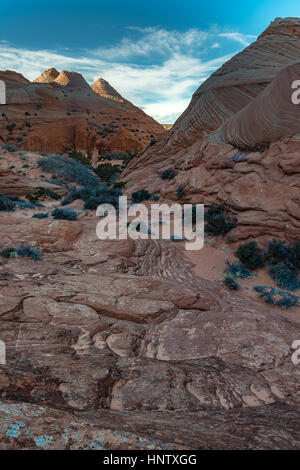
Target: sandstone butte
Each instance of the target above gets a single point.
(60, 112)
(137, 344)
(238, 141)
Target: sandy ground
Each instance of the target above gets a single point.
(209, 263)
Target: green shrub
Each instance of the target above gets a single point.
(23, 251)
(231, 283)
(127, 157)
(237, 271)
(10, 127)
(41, 192)
(285, 277)
(66, 213)
(250, 255)
(78, 156)
(180, 192)
(274, 296)
(168, 174)
(40, 215)
(107, 172)
(140, 196)
(6, 203)
(216, 221)
(66, 170)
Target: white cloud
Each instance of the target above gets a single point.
(244, 39)
(180, 62)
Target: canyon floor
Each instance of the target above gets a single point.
(135, 344)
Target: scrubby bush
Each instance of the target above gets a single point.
(29, 251)
(140, 196)
(237, 271)
(274, 296)
(66, 213)
(93, 197)
(78, 156)
(216, 221)
(277, 252)
(168, 174)
(41, 215)
(23, 251)
(107, 172)
(9, 253)
(284, 263)
(180, 192)
(231, 283)
(285, 276)
(6, 203)
(67, 170)
(127, 157)
(40, 192)
(250, 255)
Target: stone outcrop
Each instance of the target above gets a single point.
(103, 88)
(60, 112)
(238, 141)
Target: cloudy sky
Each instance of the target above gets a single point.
(155, 53)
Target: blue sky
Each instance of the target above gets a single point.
(155, 53)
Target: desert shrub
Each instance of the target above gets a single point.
(107, 172)
(29, 251)
(155, 197)
(9, 253)
(277, 252)
(6, 203)
(128, 156)
(284, 262)
(93, 197)
(10, 127)
(78, 156)
(40, 192)
(168, 174)
(10, 147)
(274, 296)
(216, 221)
(180, 192)
(140, 196)
(250, 255)
(67, 170)
(66, 213)
(23, 251)
(119, 185)
(41, 215)
(285, 276)
(237, 271)
(231, 283)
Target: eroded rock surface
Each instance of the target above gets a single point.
(238, 141)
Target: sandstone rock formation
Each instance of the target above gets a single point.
(135, 357)
(238, 141)
(60, 112)
(103, 88)
(48, 76)
(122, 344)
